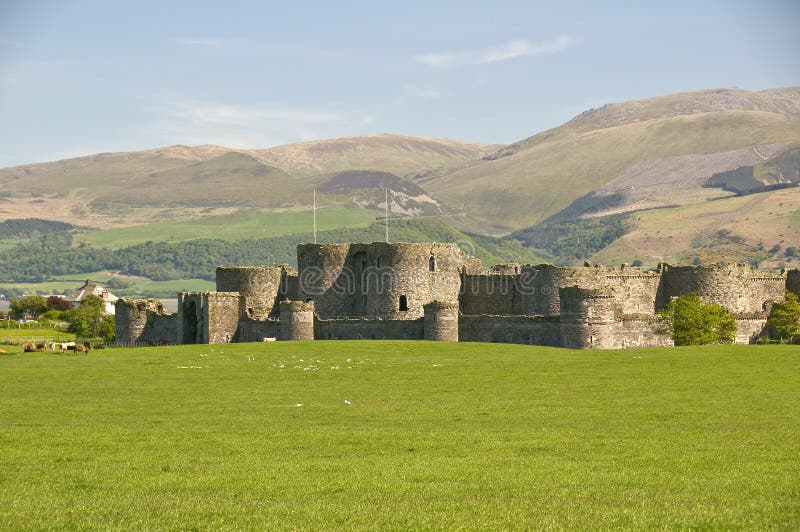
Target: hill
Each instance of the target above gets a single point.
(670, 145)
(128, 188)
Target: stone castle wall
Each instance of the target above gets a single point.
(257, 330)
(530, 330)
(138, 321)
(436, 292)
(368, 329)
(379, 280)
(737, 287)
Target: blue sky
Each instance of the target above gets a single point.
(84, 77)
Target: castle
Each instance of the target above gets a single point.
(435, 291)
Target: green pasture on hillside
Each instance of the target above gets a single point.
(137, 286)
(232, 227)
(401, 435)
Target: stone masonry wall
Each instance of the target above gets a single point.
(257, 330)
(262, 287)
(530, 330)
(221, 312)
(368, 329)
(379, 280)
(737, 287)
(139, 321)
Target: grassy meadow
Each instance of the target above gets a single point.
(232, 227)
(401, 435)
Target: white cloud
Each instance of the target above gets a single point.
(509, 50)
(254, 126)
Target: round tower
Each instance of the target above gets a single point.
(297, 320)
(323, 277)
(440, 322)
(587, 318)
(261, 287)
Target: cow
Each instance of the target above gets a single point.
(30, 347)
(82, 348)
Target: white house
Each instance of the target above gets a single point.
(89, 287)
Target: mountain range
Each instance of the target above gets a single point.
(696, 176)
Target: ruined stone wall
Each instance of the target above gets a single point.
(490, 294)
(208, 317)
(262, 287)
(379, 280)
(138, 321)
(749, 328)
(528, 330)
(737, 287)
(368, 329)
(793, 281)
(257, 330)
(221, 312)
(534, 291)
(292, 290)
(637, 331)
(634, 290)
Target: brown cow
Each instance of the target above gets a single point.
(30, 347)
(82, 348)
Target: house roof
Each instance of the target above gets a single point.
(91, 288)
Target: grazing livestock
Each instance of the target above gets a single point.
(82, 349)
(3, 352)
(61, 346)
(30, 347)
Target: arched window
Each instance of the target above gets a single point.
(403, 303)
(432, 264)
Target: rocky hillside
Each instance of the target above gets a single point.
(624, 157)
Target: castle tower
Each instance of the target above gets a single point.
(297, 320)
(440, 322)
(208, 317)
(262, 287)
(587, 318)
(380, 280)
(132, 320)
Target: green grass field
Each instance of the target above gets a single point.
(13, 332)
(232, 227)
(439, 436)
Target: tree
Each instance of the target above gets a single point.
(90, 320)
(691, 321)
(33, 306)
(58, 303)
(784, 320)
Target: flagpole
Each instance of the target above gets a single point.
(315, 215)
(386, 214)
